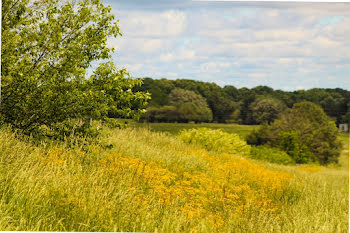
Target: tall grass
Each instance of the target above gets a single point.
(149, 181)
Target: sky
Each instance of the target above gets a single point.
(284, 45)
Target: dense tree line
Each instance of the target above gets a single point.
(257, 105)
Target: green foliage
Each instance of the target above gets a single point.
(113, 123)
(162, 114)
(47, 47)
(265, 110)
(184, 106)
(218, 101)
(114, 93)
(243, 105)
(346, 117)
(333, 101)
(262, 135)
(235, 117)
(71, 132)
(216, 140)
(270, 154)
(160, 90)
(289, 142)
(305, 132)
(190, 106)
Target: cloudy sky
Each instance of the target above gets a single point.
(286, 46)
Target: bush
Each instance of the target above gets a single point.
(70, 132)
(300, 153)
(113, 123)
(262, 135)
(216, 140)
(304, 132)
(270, 154)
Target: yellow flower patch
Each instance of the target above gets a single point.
(231, 187)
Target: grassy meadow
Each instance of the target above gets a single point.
(151, 181)
(175, 128)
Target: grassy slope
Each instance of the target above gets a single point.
(122, 189)
(325, 200)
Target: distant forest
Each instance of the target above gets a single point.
(186, 100)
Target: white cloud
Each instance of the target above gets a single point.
(139, 45)
(285, 43)
(181, 55)
(166, 57)
(209, 67)
(134, 68)
(152, 24)
(257, 75)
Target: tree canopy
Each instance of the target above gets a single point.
(305, 132)
(231, 104)
(266, 110)
(184, 106)
(48, 47)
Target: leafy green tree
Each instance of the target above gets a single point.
(332, 105)
(333, 101)
(232, 92)
(219, 102)
(190, 106)
(266, 110)
(230, 104)
(262, 90)
(346, 117)
(47, 47)
(246, 113)
(159, 90)
(305, 132)
(165, 113)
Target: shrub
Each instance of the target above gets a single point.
(72, 132)
(304, 132)
(114, 123)
(300, 153)
(261, 136)
(270, 154)
(216, 140)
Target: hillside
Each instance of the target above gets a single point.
(150, 181)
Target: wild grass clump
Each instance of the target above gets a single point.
(216, 140)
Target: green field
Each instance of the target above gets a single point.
(147, 181)
(175, 128)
